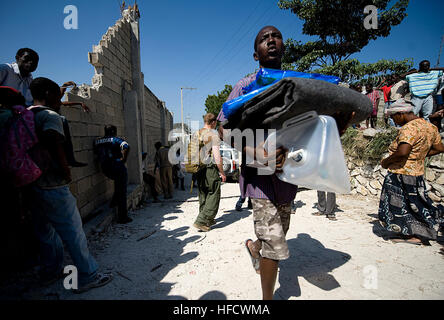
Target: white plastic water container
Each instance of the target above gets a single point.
(315, 158)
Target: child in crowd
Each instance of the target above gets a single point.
(386, 85)
(373, 95)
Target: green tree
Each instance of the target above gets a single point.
(351, 70)
(214, 102)
(339, 28)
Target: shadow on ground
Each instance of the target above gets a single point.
(311, 260)
(379, 230)
(336, 209)
(213, 295)
(139, 255)
(298, 204)
(229, 217)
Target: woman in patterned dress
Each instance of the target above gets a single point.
(405, 208)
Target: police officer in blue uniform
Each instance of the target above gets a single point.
(112, 153)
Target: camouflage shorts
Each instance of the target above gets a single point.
(271, 223)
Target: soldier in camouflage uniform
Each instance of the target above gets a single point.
(209, 177)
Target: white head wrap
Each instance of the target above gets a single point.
(399, 106)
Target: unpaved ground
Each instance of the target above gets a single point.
(161, 256)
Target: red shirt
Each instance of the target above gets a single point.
(386, 90)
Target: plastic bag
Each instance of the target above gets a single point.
(265, 78)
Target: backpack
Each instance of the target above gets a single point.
(17, 138)
(193, 158)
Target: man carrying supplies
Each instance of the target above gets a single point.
(270, 196)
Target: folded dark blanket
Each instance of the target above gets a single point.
(292, 96)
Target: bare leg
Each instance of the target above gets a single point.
(269, 269)
(409, 239)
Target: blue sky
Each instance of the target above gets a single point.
(201, 44)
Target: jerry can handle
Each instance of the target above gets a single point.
(300, 119)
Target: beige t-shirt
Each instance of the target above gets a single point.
(421, 135)
(209, 138)
(399, 90)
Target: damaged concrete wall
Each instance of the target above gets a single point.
(117, 96)
(158, 121)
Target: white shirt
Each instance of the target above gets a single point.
(10, 76)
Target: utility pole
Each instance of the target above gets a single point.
(188, 122)
(181, 110)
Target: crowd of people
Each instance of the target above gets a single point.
(411, 104)
(35, 170)
(44, 189)
(423, 87)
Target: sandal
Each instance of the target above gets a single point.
(254, 261)
(317, 213)
(331, 217)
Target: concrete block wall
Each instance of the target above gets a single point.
(113, 78)
(158, 123)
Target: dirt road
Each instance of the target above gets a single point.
(161, 256)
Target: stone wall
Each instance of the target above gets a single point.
(367, 179)
(117, 96)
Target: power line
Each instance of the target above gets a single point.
(235, 45)
(212, 72)
(232, 54)
(246, 43)
(268, 21)
(230, 40)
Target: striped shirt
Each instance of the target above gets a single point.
(374, 96)
(421, 84)
(251, 184)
